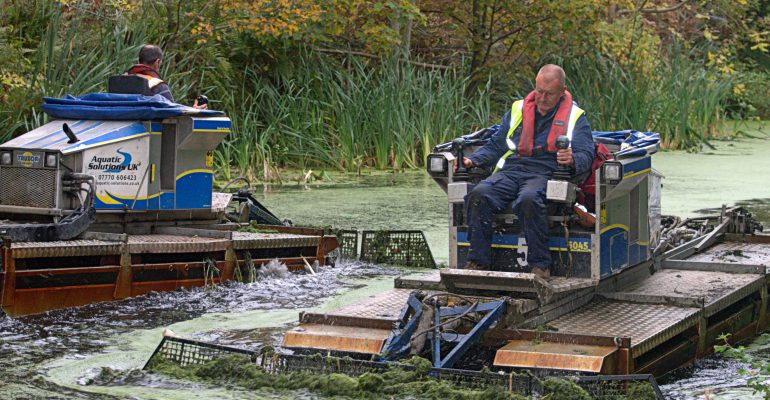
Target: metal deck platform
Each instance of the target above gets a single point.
(379, 311)
(689, 288)
(735, 252)
(647, 325)
(362, 327)
(634, 322)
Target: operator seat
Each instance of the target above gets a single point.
(128, 84)
(554, 210)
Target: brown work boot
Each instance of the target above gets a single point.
(473, 265)
(541, 272)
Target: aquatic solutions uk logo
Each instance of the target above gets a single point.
(119, 163)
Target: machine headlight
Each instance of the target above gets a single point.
(612, 172)
(6, 158)
(437, 164)
(50, 160)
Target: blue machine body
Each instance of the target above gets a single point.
(145, 154)
(627, 216)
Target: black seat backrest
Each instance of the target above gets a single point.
(129, 84)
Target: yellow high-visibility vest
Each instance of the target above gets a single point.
(517, 115)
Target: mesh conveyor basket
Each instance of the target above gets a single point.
(408, 248)
(185, 352)
(348, 240)
(513, 382)
(276, 363)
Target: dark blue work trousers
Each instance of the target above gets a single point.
(492, 196)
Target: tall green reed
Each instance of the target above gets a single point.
(347, 115)
(678, 98)
(72, 59)
(323, 112)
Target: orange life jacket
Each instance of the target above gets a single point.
(558, 127)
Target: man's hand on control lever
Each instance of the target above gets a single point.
(564, 157)
(466, 162)
(201, 103)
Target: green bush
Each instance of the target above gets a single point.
(750, 97)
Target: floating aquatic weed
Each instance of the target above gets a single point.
(250, 267)
(395, 382)
(564, 389)
(210, 271)
(640, 391)
(237, 273)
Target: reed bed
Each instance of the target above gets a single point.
(678, 98)
(346, 115)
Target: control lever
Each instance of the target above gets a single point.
(559, 188)
(562, 172)
(461, 174)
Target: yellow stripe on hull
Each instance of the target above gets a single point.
(194, 171)
(510, 246)
(633, 174)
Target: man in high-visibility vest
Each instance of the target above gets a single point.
(524, 154)
(150, 57)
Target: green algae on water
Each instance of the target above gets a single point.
(568, 389)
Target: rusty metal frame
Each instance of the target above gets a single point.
(119, 253)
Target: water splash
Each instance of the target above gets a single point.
(273, 269)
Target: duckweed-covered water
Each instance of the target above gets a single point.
(62, 354)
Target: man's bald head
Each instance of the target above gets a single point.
(149, 54)
(550, 72)
(549, 87)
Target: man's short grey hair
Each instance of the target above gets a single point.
(551, 70)
(149, 53)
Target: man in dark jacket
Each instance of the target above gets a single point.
(525, 155)
(150, 57)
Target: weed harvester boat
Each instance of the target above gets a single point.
(113, 198)
(625, 297)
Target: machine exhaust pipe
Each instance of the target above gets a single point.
(71, 135)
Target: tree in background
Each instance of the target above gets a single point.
(508, 37)
(377, 26)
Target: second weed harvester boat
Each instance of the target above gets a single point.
(113, 198)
